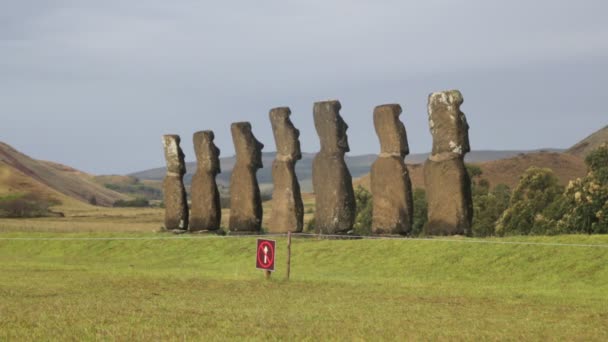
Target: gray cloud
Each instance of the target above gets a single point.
(94, 84)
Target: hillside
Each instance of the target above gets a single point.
(14, 182)
(131, 186)
(593, 141)
(358, 166)
(22, 174)
(507, 171)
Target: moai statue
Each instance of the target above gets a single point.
(287, 206)
(335, 205)
(448, 186)
(176, 202)
(390, 180)
(206, 212)
(245, 200)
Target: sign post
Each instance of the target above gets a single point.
(265, 256)
(288, 254)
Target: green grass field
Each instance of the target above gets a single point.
(208, 288)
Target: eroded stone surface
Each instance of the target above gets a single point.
(206, 212)
(335, 206)
(448, 194)
(176, 203)
(390, 182)
(390, 130)
(448, 186)
(245, 201)
(287, 206)
(448, 124)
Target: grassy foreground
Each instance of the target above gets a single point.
(208, 288)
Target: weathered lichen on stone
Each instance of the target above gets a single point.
(390, 182)
(245, 201)
(287, 206)
(447, 182)
(176, 204)
(448, 124)
(206, 213)
(335, 206)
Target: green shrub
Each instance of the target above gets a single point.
(139, 202)
(26, 205)
(310, 226)
(420, 212)
(93, 200)
(584, 205)
(537, 190)
(473, 170)
(597, 163)
(363, 218)
(488, 206)
(137, 189)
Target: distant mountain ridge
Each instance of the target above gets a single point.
(358, 165)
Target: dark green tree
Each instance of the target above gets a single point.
(420, 212)
(597, 163)
(538, 188)
(488, 208)
(584, 205)
(363, 218)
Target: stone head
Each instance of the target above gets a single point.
(248, 148)
(207, 154)
(390, 130)
(286, 136)
(174, 154)
(448, 124)
(330, 127)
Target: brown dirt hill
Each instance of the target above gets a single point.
(507, 171)
(24, 174)
(12, 181)
(582, 148)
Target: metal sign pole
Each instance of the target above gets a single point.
(288, 254)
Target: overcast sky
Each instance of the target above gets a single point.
(94, 84)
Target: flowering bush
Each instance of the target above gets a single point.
(586, 199)
(531, 205)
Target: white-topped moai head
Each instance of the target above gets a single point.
(173, 154)
(447, 123)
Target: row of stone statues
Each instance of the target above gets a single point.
(447, 183)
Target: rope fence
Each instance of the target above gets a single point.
(309, 236)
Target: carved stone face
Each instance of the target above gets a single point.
(465, 135)
(330, 127)
(174, 154)
(286, 136)
(390, 130)
(248, 148)
(207, 153)
(448, 123)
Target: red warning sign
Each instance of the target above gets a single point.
(265, 255)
